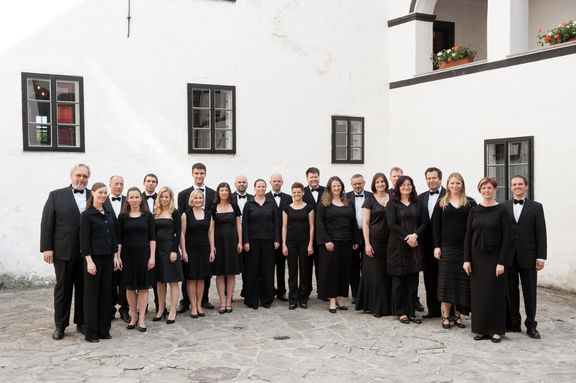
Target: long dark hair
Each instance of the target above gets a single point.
(125, 212)
(96, 186)
(217, 197)
(396, 191)
(327, 195)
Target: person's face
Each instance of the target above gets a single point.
(198, 200)
(100, 195)
(150, 184)
(455, 185)
(241, 184)
(79, 178)
(433, 181)
(406, 188)
(134, 199)
(164, 199)
(276, 183)
(394, 175)
(358, 185)
(313, 180)
(380, 185)
(335, 188)
(223, 193)
(487, 191)
(297, 194)
(519, 188)
(116, 186)
(198, 175)
(260, 188)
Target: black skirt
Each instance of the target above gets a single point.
(135, 273)
(334, 270)
(375, 288)
(453, 282)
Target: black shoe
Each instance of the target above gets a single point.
(181, 309)
(481, 337)
(58, 333)
(208, 305)
(533, 333)
(105, 336)
(81, 329)
(125, 315)
(430, 315)
(141, 329)
(131, 326)
(419, 307)
(92, 340)
(415, 320)
(170, 321)
(291, 307)
(158, 319)
(332, 311)
(282, 298)
(201, 314)
(458, 324)
(446, 326)
(496, 340)
(404, 320)
(222, 310)
(195, 316)
(342, 307)
(266, 305)
(377, 315)
(353, 300)
(514, 329)
(228, 309)
(304, 306)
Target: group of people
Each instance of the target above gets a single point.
(111, 249)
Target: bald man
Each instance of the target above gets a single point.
(240, 196)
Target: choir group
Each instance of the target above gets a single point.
(111, 249)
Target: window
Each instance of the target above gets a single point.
(508, 157)
(211, 119)
(52, 112)
(347, 140)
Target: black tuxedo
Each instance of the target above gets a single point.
(429, 263)
(108, 204)
(60, 232)
(528, 245)
(357, 254)
(279, 258)
(309, 199)
(249, 197)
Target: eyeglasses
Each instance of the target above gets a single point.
(405, 186)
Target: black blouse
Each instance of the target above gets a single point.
(138, 231)
(97, 232)
(449, 223)
(336, 223)
(488, 230)
(404, 220)
(260, 221)
(298, 228)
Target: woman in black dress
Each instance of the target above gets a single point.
(197, 244)
(228, 243)
(297, 245)
(486, 249)
(137, 245)
(337, 235)
(450, 218)
(100, 250)
(168, 263)
(375, 288)
(406, 223)
(261, 235)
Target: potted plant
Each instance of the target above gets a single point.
(456, 55)
(561, 34)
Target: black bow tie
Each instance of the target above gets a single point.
(78, 191)
(312, 190)
(116, 199)
(520, 201)
(277, 195)
(242, 196)
(434, 192)
(359, 195)
(150, 196)
(201, 189)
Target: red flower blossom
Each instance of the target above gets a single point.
(557, 35)
(563, 24)
(449, 59)
(539, 30)
(547, 38)
(454, 48)
(461, 45)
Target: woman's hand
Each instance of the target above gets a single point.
(369, 250)
(117, 262)
(310, 249)
(355, 246)
(276, 245)
(212, 255)
(437, 253)
(173, 256)
(185, 256)
(412, 240)
(246, 247)
(151, 263)
(499, 270)
(285, 250)
(91, 268)
(329, 246)
(467, 268)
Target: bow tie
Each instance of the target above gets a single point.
(434, 192)
(242, 196)
(277, 195)
(314, 190)
(78, 191)
(116, 199)
(359, 195)
(519, 201)
(150, 196)
(201, 189)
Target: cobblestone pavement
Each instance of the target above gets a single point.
(278, 345)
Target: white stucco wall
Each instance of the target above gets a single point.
(447, 121)
(294, 64)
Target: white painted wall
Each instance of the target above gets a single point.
(548, 14)
(294, 63)
(447, 122)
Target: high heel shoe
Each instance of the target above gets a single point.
(201, 314)
(228, 309)
(163, 316)
(141, 329)
(131, 326)
(192, 315)
(458, 324)
(170, 321)
(446, 325)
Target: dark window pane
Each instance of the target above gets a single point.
(356, 127)
(223, 139)
(201, 118)
(499, 173)
(518, 152)
(39, 135)
(341, 139)
(67, 136)
(201, 138)
(356, 154)
(500, 194)
(496, 154)
(201, 98)
(67, 113)
(223, 119)
(39, 112)
(341, 153)
(38, 89)
(66, 91)
(222, 99)
(356, 141)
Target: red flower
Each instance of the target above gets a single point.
(454, 48)
(432, 54)
(563, 24)
(547, 38)
(449, 59)
(557, 35)
(539, 30)
(461, 44)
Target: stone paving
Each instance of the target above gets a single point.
(278, 345)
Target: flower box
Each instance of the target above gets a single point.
(443, 64)
(563, 33)
(457, 55)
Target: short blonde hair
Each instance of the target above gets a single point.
(194, 194)
(158, 207)
(487, 180)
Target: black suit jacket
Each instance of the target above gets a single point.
(528, 234)
(108, 205)
(285, 200)
(249, 197)
(309, 198)
(428, 234)
(60, 226)
(184, 195)
(352, 198)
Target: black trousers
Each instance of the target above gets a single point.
(528, 277)
(280, 263)
(118, 294)
(315, 261)
(299, 264)
(243, 270)
(430, 268)
(259, 273)
(97, 292)
(355, 267)
(69, 279)
(404, 289)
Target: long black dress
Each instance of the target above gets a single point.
(197, 246)
(487, 245)
(167, 241)
(449, 225)
(135, 234)
(375, 288)
(227, 261)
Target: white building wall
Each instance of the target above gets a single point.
(294, 65)
(444, 123)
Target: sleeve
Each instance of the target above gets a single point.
(471, 201)
(151, 228)
(277, 218)
(322, 236)
(236, 208)
(119, 229)
(368, 203)
(437, 218)
(392, 218)
(85, 229)
(246, 223)
(423, 219)
(114, 231)
(541, 239)
(468, 238)
(506, 250)
(182, 201)
(176, 219)
(47, 225)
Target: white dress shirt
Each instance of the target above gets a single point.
(80, 200)
(432, 199)
(315, 195)
(358, 202)
(518, 209)
(150, 202)
(116, 205)
(277, 198)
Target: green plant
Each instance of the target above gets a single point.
(455, 53)
(562, 33)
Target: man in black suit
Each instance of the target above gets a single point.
(114, 203)
(60, 245)
(199, 174)
(528, 253)
(428, 201)
(313, 197)
(240, 196)
(357, 197)
(282, 200)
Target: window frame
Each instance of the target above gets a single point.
(349, 148)
(54, 114)
(212, 88)
(506, 142)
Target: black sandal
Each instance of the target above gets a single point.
(404, 320)
(447, 325)
(458, 324)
